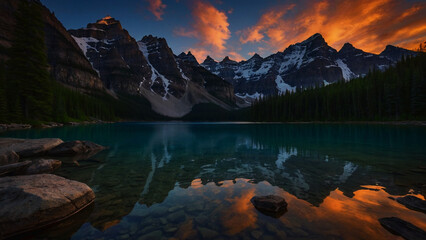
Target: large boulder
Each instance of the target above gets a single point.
(413, 203)
(43, 166)
(16, 168)
(271, 205)
(8, 157)
(402, 228)
(29, 147)
(75, 148)
(33, 201)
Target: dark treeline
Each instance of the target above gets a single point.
(398, 93)
(27, 91)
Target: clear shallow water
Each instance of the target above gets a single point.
(195, 180)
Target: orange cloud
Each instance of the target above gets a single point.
(235, 56)
(157, 7)
(210, 26)
(369, 25)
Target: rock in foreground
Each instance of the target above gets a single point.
(413, 203)
(33, 201)
(29, 147)
(18, 167)
(402, 228)
(271, 205)
(75, 148)
(8, 157)
(43, 166)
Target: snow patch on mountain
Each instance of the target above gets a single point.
(347, 73)
(181, 72)
(248, 72)
(155, 74)
(326, 83)
(84, 45)
(295, 58)
(282, 86)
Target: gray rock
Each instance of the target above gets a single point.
(207, 233)
(170, 229)
(177, 217)
(29, 147)
(175, 208)
(43, 166)
(75, 148)
(413, 203)
(8, 157)
(402, 228)
(270, 205)
(152, 235)
(256, 234)
(33, 201)
(159, 211)
(14, 168)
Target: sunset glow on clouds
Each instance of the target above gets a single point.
(210, 27)
(156, 7)
(240, 28)
(369, 25)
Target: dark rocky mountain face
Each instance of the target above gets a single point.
(359, 62)
(394, 54)
(113, 54)
(172, 84)
(306, 64)
(188, 57)
(67, 64)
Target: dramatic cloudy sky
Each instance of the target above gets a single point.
(239, 28)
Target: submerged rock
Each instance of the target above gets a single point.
(29, 147)
(33, 201)
(75, 148)
(270, 205)
(413, 203)
(43, 166)
(402, 228)
(14, 168)
(8, 157)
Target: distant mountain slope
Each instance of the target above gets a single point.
(67, 64)
(306, 64)
(173, 85)
(396, 94)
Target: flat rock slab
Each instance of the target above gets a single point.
(18, 167)
(8, 157)
(271, 205)
(402, 228)
(43, 166)
(413, 203)
(33, 201)
(29, 147)
(73, 148)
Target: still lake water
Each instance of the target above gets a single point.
(195, 180)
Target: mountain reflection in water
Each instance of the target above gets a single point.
(196, 180)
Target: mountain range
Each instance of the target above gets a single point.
(104, 57)
(306, 64)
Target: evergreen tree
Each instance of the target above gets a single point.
(28, 78)
(398, 93)
(3, 103)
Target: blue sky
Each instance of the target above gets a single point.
(239, 28)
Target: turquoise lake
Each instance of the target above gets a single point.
(177, 180)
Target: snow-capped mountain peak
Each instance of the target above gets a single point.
(309, 63)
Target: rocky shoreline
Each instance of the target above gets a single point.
(30, 196)
(21, 126)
